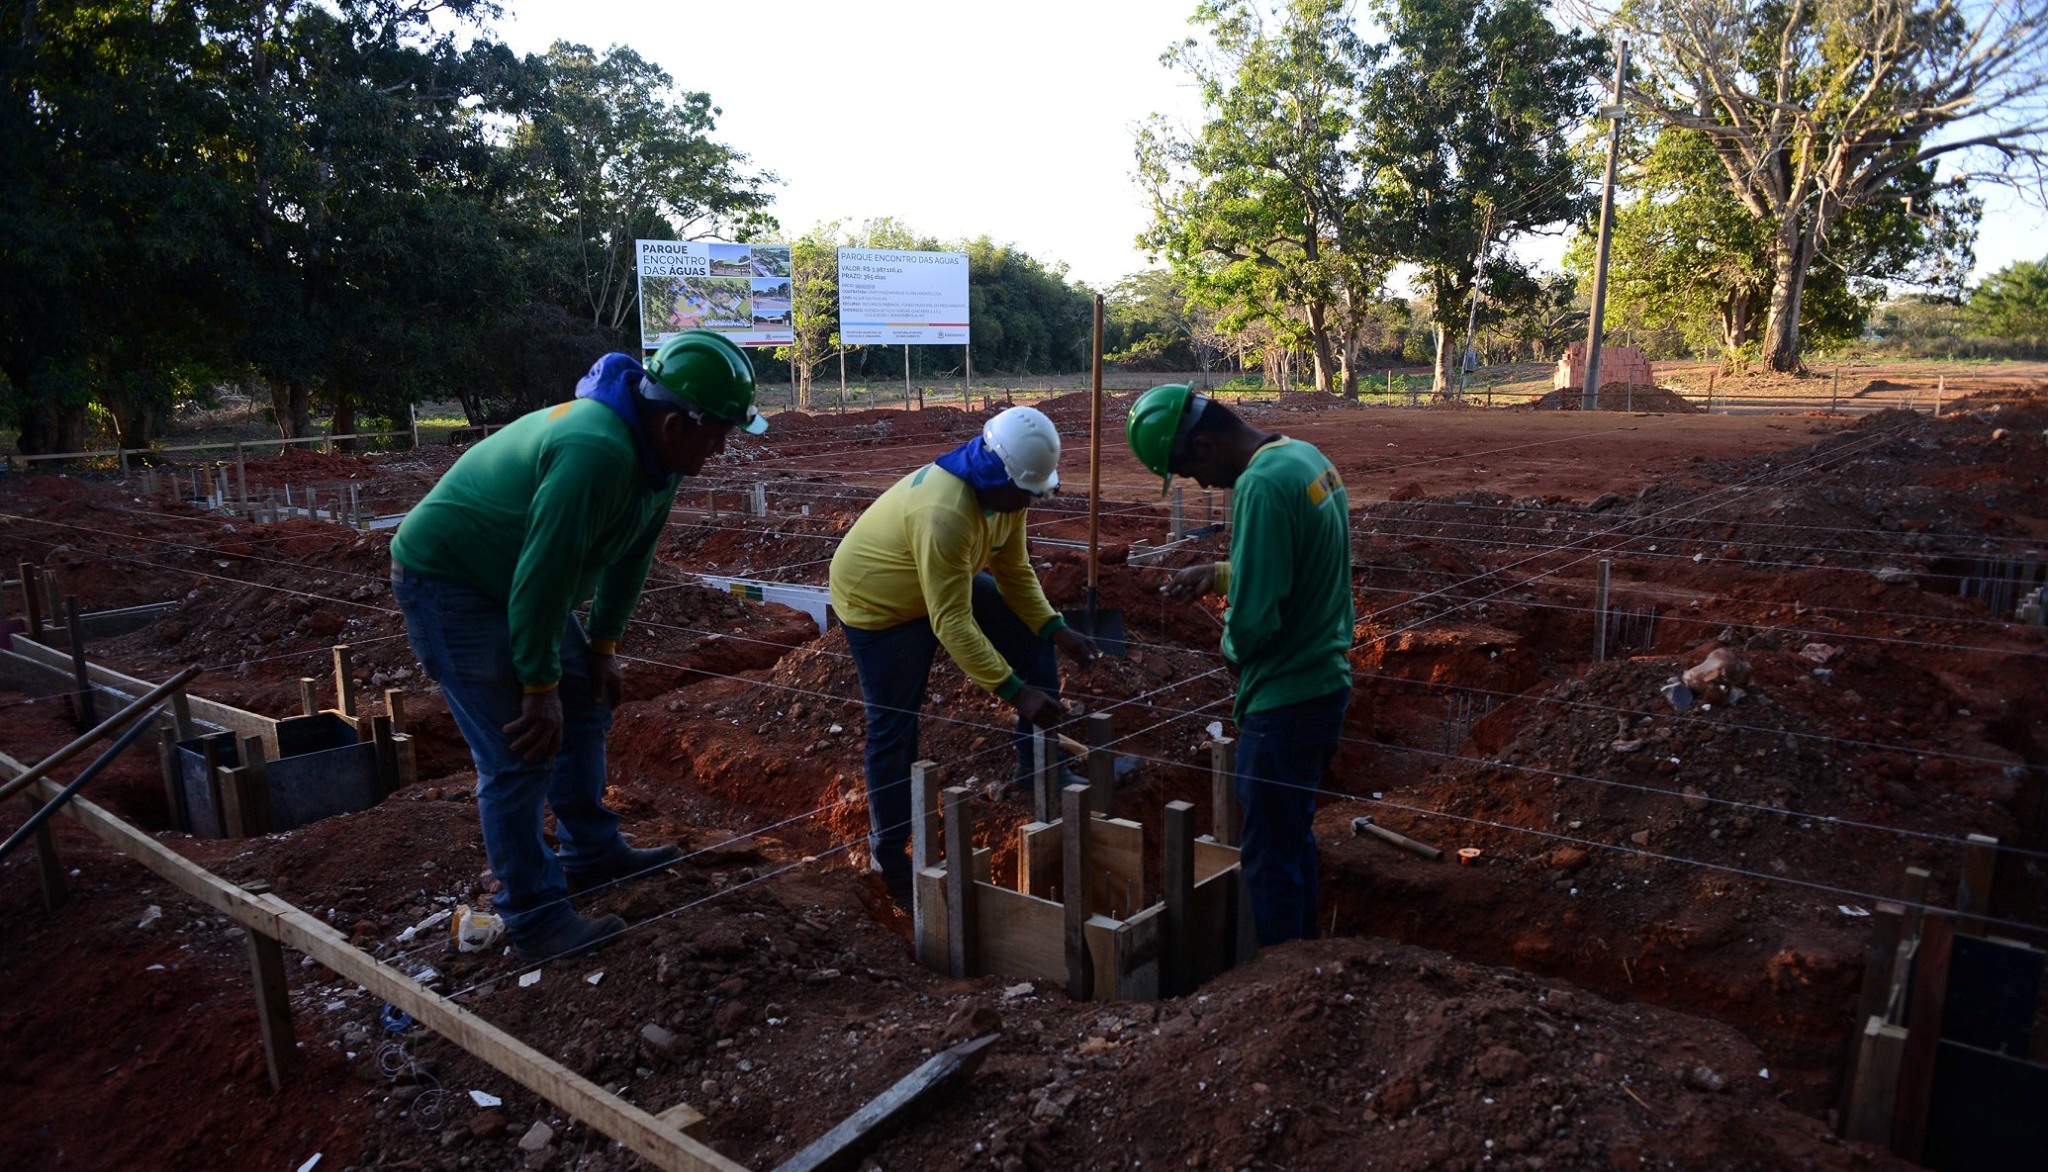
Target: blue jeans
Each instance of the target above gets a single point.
(1282, 754)
(894, 664)
(464, 640)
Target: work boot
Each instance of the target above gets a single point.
(568, 937)
(632, 863)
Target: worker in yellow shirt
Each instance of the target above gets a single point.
(940, 560)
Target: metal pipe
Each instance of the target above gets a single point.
(39, 769)
(36, 820)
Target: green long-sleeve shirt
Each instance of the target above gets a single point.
(540, 516)
(1288, 580)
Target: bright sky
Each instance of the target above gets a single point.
(963, 118)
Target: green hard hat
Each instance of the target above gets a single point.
(1155, 426)
(706, 371)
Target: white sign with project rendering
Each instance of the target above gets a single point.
(902, 298)
(742, 291)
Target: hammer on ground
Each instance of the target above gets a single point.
(1366, 825)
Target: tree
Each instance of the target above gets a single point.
(1687, 256)
(617, 156)
(1253, 210)
(2012, 303)
(814, 304)
(1465, 144)
(1817, 108)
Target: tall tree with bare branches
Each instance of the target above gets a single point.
(1815, 108)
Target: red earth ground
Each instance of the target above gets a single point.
(1653, 960)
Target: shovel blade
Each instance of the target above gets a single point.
(1105, 627)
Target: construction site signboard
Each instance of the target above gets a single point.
(743, 291)
(902, 298)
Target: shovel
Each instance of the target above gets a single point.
(1105, 627)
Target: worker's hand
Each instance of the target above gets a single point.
(606, 683)
(1037, 706)
(1076, 646)
(537, 734)
(1192, 582)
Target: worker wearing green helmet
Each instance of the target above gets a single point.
(1286, 631)
(562, 506)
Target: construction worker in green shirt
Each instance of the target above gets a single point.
(1287, 631)
(561, 507)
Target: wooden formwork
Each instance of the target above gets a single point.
(1080, 914)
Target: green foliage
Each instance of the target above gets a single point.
(2012, 304)
(1254, 210)
(1466, 145)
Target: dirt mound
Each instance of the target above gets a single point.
(1618, 397)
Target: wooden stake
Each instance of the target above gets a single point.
(273, 999)
(174, 781)
(1600, 585)
(1101, 764)
(1873, 1097)
(1223, 790)
(32, 599)
(1973, 894)
(1074, 889)
(1878, 954)
(1045, 778)
(80, 678)
(49, 867)
(257, 815)
(394, 703)
(344, 681)
(959, 882)
(387, 755)
(1923, 1037)
(309, 702)
(1178, 879)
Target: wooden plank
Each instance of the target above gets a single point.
(1213, 935)
(1973, 892)
(924, 814)
(1139, 948)
(32, 602)
(1177, 880)
(1223, 790)
(49, 865)
(1074, 883)
(926, 930)
(394, 706)
(660, 1143)
(235, 787)
(387, 756)
(1212, 858)
(913, 1094)
(212, 712)
(1045, 776)
(1099, 933)
(273, 1000)
(1039, 858)
(959, 882)
(1874, 1096)
(1923, 1036)
(257, 816)
(1883, 945)
(1019, 935)
(929, 888)
(408, 762)
(87, 708)
(174, 783)
(344, 681)
(309, 701)
(1913, 894)
(1101, 764)
(1116, 850)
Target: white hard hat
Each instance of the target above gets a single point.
(1029, 447)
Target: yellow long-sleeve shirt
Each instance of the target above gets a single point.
(914, 554)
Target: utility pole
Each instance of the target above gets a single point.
(1589, 398)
